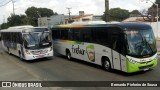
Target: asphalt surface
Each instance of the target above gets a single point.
(58, 68)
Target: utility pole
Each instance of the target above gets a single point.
(13, 7)
(69, 12)
(157, 16)
(106, 10)
(40, 17)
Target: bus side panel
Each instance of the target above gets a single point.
(89, 52)
(102, 51)
(60, 46)
(64, 45)
(123, 63)
(4, 46)
(15, 49)
(116, 60)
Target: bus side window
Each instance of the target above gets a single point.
(100, 36)
(86, 35)
(56, 33)
(70, 34)
(76, 34)
(64, 34)
(119, 44)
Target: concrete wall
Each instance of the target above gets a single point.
(154, 27)
(43, 22)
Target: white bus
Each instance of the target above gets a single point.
(27, 42)
(128, 47)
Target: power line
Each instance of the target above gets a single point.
(2, 1)
(5, 3)
(9, 2)
(13, 7)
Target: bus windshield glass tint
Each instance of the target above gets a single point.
(141, 42)
(37, 39)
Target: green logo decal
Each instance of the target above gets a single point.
(91, 52)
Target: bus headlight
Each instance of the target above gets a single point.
(132, 61)
(27, 51)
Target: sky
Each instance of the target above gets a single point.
(95, 7)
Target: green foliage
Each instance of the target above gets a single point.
(31, 12)
(117, 14)
(16, 20)
(135, 13)
(152, 11)
(31, 17)
(158, 1)
(34, 13)
(4, 26)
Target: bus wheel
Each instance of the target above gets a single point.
(68, 54)
(106, 64)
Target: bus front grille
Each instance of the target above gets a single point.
(143, 67)
(145, 62)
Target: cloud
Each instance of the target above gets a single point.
(89, 6)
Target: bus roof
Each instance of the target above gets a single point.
(19, 28)
(124, 25)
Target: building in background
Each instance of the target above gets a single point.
(64, 19)
(136, 19)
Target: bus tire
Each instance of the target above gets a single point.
(106, 64)
(68, 54)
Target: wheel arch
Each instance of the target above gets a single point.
(103, 58)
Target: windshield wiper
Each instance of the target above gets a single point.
(144, 40)
(43, 38)
(32, 37)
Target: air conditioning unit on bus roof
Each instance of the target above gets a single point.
(90, 22)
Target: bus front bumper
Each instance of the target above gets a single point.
(141, 66)
(32, 57)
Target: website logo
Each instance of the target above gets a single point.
(6, 84)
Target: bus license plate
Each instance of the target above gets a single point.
(146, 69)
(41, 56)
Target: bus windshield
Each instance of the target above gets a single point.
(37, 40)
(141, 43)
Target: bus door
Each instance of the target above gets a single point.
(118, 51)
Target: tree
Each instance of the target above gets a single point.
(135, 13)
(151, 14)
(117, 14)
(4, 26)
(16, 20)
(34, 13)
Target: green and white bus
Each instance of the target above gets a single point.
(128, 47)
(28, 42)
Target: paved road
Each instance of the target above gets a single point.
(58, 68)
